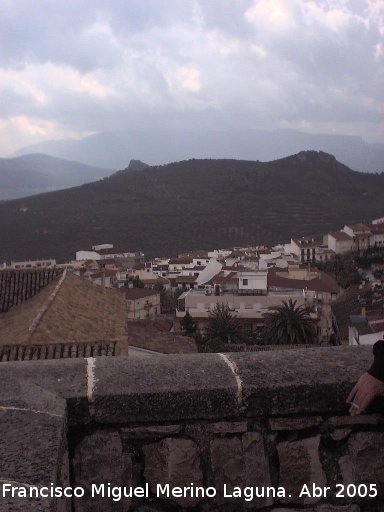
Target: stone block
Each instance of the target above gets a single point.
(174, 461)
(31, 446)
(359, 421)
(364, 460)
(240, 462)
(64, 378)
(292, 423)
(227, 427)
(176, 387)
(339, 434)
(99, 459)
(300, 465)
(151, 432)
(337, 508)
(309, 381)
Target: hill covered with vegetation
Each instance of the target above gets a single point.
(193, 204)
(36, 173)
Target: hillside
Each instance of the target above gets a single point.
(193, 204)
(159, 146)
(37, 173)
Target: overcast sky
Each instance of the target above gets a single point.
(75, 67)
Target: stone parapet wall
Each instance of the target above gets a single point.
(266, 420)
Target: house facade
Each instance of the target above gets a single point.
(142, 303)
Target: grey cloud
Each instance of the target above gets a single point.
(185, 62)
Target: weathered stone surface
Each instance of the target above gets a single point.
(359, 420)
(305, 381)
(65, 378)
(227, 427)
(321, 508)
(289, 423)
(64, 504)
(99, 459)
(364, 461)
(9, 504)
(337, 508)
(174, 388)
(31, 446)
(174, 461)
(240, 462)
(339, 434)
(299, 465)
(152, 432)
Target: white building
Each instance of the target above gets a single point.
(307, 248)
(377, 235)
(360, 234)
(339, 242)
(20, 265)
(363, 331)
(255, 283)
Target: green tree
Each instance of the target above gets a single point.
(222, 325)
(188, 324)
(136, 281)
(344, 268)
(288, 324)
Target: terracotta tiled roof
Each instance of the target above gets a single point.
(220, 278)
(186, 279)
(180, 261)
(57, 351)
(151, 335)
(322, 283)
(138, 293)
(80, 311)
(307, 241)
(377, 229)
(359, 228)
(341, 236)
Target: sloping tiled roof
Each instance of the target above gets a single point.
(341, 236)
(57, 351)
(138, 293)
(149, 334)
(377, 229)
(186, 279)
(322, 283)
(18, 286)
(359, 228)
(79, 312)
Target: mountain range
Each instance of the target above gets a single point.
(193, 204)
(36, 173)
(155, 146)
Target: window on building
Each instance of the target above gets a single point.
(245, 282)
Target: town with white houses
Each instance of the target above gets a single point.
(154, 295)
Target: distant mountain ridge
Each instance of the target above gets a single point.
(37, 173)
(193, 204)
(160, 146)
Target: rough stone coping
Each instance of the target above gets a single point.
(38, 398)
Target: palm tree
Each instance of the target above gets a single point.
(288, 324)
(222, 325)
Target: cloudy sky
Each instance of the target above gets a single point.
(75, 67)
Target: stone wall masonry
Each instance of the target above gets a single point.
(244, 420)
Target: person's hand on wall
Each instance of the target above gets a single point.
(364, 391)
